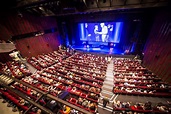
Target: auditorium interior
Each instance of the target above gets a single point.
(85, 57)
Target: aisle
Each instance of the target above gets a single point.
(5, 109)
(107, 89)
(30, 67)
(108, 82)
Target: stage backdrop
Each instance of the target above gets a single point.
(127, 35)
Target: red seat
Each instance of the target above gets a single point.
(73, 100)
(24, 107)
(83, 95)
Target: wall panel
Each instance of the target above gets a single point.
(157, 52)
(37, 45)
(14, 24)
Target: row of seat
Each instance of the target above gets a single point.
(99, 74)
(16, 69)
(75, 76)
(87, 106)
(66, 77)
(15, 99)
(57, 76)
(137, 82)
(74, 82)
(43, 84)
(46, 60)
(147, 107)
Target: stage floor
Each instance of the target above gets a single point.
(108, 51)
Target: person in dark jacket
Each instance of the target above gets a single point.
(105, 101)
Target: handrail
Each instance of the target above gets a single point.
(27, 99)
(50, 96)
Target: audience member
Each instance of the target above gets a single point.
(105, 101)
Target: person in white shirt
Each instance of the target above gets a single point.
(103, 32)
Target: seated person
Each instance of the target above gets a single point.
(38, 111)
(74, 89)
(115, 88)
(50, 80)
(66, 109)
(127, 105)
(80, 101)
(117, 104)
(69, 81)
(93, 96)
(129, 90)
(77, 78)
(33, 92)
(92, 106)
(57, 84)
(22, 101)
(95, 83)
(162, 107)
(98, 90)
(87, 87)
(147, 106)
(92, 89)
(69, 88)
(83, 86)
(85, 103)
(138, 106)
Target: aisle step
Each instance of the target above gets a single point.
(108, 79)
(107, 83)
(110, 109)
(109, 76)
(107, 92)
(107, 86)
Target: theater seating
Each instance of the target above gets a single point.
(81, 75)
(133, 79)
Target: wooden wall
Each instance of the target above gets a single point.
(14, 24)
(37, 45)
(157, 52)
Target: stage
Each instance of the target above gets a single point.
(103, 51)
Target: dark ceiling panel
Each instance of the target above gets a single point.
(91, 4)
(147, 1)
(6, 4)
(104, 3)
(118, 2)
(133, 1)
(64, 7)
(162, 0)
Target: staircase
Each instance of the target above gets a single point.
(107, 87)
(108, 82)
(5, 79)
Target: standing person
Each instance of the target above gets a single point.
(105, 101)
(97, 37)
(103, 32)
(88, 32)
(110, 32)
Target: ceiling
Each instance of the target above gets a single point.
(68, 7)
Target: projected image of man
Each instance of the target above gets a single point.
(97, 36)
(88, 32)
(110, 32)
(103, 32)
